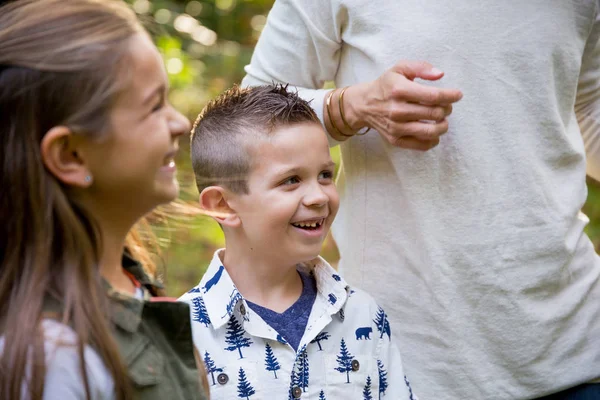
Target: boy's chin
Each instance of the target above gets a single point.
(308, 257)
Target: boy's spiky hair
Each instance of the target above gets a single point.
(230, 123)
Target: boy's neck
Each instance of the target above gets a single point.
(263, 280)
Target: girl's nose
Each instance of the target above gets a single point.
(179, 124)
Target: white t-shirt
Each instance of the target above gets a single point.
(475, 248)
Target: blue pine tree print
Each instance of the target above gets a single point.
(281, 340)
(235, 337)
(271, 362)
(293, 383)
(367, 390)
(322, 395)
(199, 311)
(320, 336)
(411, 396)
(303, 371)
(382, 323)
(336, 277)
(194, 290)
(245, 389)
(383, 384)
(211, 367)
(214, 280)
(344, 360)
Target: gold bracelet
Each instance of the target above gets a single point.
(341, 105)
(331, 121)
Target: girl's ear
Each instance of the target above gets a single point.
(213, 200)
(61, 156)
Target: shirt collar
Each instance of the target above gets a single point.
(223, 300)
(331, 287)
(220, 294)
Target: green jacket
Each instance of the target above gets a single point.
(155, 340)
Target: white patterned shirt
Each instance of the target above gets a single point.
(346, 351)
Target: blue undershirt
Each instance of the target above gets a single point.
(291, 324)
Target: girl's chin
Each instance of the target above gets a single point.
(167, 193)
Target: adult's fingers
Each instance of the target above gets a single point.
(417, 93)
(423, 131)
(417, 69)
(415, 112)
(412, 143)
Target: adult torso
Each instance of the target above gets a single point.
(476, 248)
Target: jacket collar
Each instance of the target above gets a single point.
(126, 311)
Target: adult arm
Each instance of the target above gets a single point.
(300, 45)
(587, 105)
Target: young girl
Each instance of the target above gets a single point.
(88, 142)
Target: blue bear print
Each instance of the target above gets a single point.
(364, 333)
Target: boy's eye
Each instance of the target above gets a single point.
(291, 181)
(326, 175)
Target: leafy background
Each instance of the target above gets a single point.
(205, 45)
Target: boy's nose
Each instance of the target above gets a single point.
(315, 196)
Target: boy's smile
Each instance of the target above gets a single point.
(292, 198)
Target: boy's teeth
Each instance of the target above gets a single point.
(308, 225)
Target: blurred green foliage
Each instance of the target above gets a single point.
(205, 45)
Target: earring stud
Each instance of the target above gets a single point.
(88, 178)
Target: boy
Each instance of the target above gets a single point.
(271, 318)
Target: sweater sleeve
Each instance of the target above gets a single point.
(299, 45)
(587, 104)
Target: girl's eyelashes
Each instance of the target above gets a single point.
(158, 106)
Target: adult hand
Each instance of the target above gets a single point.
(406, 113)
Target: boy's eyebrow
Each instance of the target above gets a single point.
(296, 170)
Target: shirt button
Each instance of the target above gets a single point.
(296, 392)
(222, 378)
(242, 310)
(355, 365)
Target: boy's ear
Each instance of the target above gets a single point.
(61, 156)
(213, 200)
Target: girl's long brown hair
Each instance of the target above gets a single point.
(60, 64)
